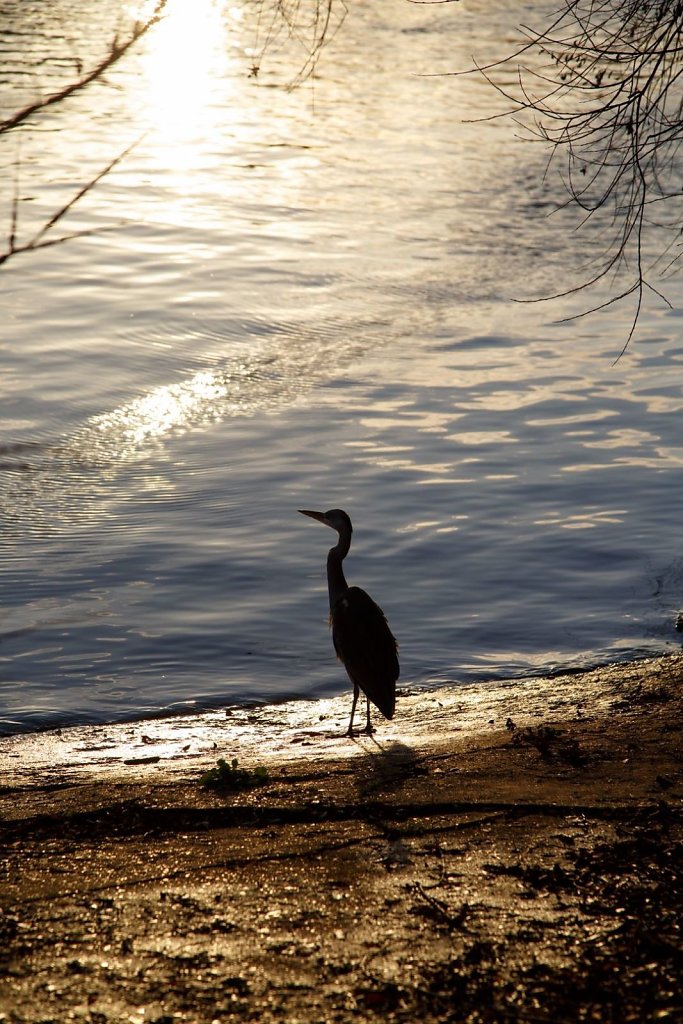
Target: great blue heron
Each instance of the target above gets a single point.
(360, 633)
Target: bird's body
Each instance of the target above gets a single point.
(362, 639)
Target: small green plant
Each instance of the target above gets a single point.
(228, 775)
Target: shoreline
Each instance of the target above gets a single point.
(501, 853)
(57, 721)
(285, 730)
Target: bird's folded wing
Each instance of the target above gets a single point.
(367, 647)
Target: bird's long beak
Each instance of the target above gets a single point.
(320, 516)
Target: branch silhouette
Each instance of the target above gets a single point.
(21, 117)
(116, 51)
(39, 241)
(605, 95)
(311, 25)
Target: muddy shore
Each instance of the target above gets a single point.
(510, 853)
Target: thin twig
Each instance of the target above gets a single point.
(609, 100)
(117, 50)
(38, 241)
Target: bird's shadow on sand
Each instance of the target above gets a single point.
(387, 768)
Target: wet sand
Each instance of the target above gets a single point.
(500, 853)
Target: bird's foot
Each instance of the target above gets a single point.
(352, 734)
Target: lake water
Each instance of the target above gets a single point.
(304, 298)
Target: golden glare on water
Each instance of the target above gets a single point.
(161, 410)
(185, 60)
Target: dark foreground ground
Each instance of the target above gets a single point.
(529, 872)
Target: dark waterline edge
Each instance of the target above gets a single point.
(34, 723)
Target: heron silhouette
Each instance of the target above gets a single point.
(362, 639)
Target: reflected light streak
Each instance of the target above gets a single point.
(185, 61)
(163, 409)
(584, 520)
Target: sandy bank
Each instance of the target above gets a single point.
(510, 852)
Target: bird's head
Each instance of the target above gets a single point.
(334, 517)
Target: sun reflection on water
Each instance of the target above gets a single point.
(161, 410)
(185, 60)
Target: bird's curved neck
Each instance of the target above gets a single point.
(336, 581)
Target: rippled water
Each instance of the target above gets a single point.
(304, 298)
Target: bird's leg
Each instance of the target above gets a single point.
(368, 730)
(356, 691)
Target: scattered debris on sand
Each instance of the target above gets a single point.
(524, 866)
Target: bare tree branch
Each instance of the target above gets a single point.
(116, 51)
(311, 25)
(605, 93)
(38, 241)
